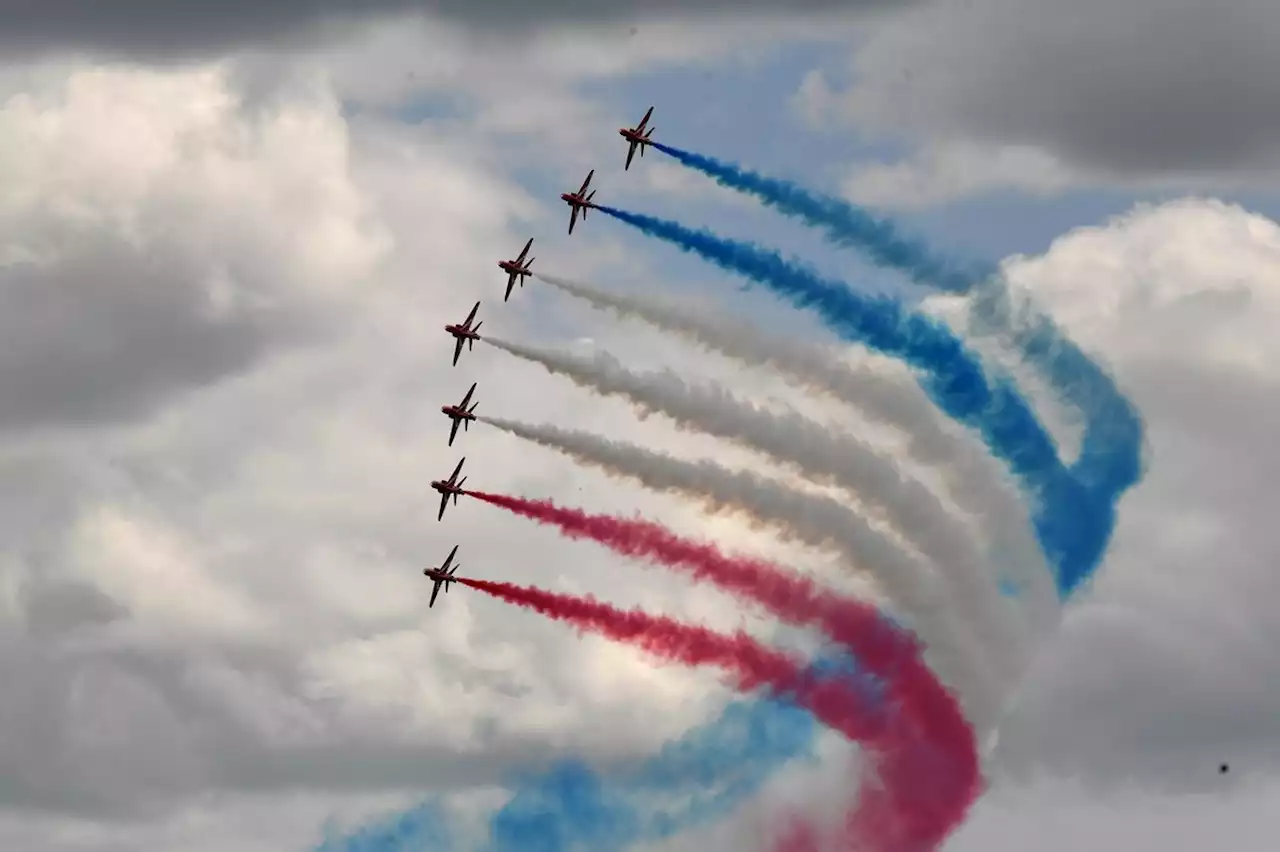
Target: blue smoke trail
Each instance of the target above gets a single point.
(1110, 460)
(571, 807)
(423, 828)
(844, 224)
(1073, 529)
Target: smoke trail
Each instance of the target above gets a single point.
(751, 665)
(880, 648)
(1110, 461)
(425, 827)
(812, 519)
(570, 807)
(843, 223)
(1001, 515)
(822, 454)
(924, 819)
(1073, 530)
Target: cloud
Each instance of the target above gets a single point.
(1062, 816)
(1147, 91)
(156, 237)
(1166, 667)
(939, 173)
(154, 28)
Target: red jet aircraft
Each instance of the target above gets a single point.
(465, 333)
(442, 576)
(448, 487)
(579, 201)
(515, 270)
(637, 137)
(460, 413)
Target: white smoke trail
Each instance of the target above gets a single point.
(974, 484)
(810, 519)
(825, 455)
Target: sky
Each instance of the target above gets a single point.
(229, 239)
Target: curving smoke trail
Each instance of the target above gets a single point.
(811, 519)
(751, 665)
(1073, 529)
(878, 397)
(1110, 461)
(920, 809)
(569, 806)
(971, 483)
(824, 454)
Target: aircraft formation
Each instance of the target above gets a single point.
(464, 333)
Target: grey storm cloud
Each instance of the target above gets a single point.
(1132, 87)
(159, 27)
(118, 731)
(106, 332)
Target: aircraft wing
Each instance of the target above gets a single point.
(631, 152)
(467, 322)
(457, 350)
(573, 218)
(525, 250)
(644, 121)
(456, 470)
(448, 560)
(435, 590)
(444, 501)
(453, 430)
(467, 398)
(587, 181)
(511, 284)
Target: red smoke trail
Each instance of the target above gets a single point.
(753, 665)
(931, 735)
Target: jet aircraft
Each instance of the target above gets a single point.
(516, 270)
(442, 576)
(579, 201)
(637, 137)
(460, 413)
(464, 333)
(449, 488)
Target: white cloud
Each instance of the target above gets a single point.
(1164, 669)
(159, 237)
(939, 173)
(155, 575)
